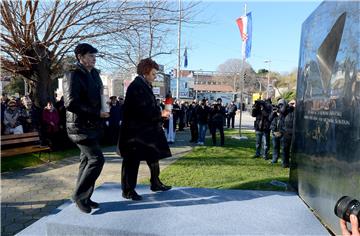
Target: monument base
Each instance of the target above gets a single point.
(184, 211)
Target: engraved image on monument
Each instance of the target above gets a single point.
(325, 163)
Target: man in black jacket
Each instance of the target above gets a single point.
(288, 131)
(261, 110)
(217, 116)
(193, 121)
(82, 98)
(141, 134)
(231, 115)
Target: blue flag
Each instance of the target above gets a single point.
(186, 58)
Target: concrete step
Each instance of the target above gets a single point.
(185, 211)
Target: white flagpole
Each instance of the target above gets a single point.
(178, 65)
(242, 82)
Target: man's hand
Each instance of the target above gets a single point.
(104, 114)
(355, 230)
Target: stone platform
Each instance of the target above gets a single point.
(184, 211)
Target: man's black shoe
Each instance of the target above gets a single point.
(132, 195)
(93, 205)
(160, 187)
(255, 156)
(83, 206)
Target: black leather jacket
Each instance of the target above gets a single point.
(82, 100)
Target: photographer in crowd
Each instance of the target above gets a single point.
(261, 110)
(288, 112)
(277, 122)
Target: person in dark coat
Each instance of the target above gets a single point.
(277, 123)
(141, 134)
(231, 115)
(182, 116)
(176, 114)
(82, 98)
(114, 120)
(261, 110)
(31, 116)
(202, 116)
(50, 121)
(288, 132)
(217, 117)
(193, 122)
(63, 137)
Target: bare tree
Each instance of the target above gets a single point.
(153, 37)
(36, 35)
(235, 70)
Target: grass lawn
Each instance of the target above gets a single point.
(26, 160)
(228, 167)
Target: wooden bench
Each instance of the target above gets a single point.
(15, 144)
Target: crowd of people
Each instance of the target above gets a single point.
(199, 116)
(20, 115)
(277, 120)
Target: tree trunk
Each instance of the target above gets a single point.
(41, 89)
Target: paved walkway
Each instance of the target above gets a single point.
(29, 194)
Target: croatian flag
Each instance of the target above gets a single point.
(245, 26)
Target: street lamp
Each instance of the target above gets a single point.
(268, 77)
(258, 80)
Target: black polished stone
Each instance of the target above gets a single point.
(325, 163)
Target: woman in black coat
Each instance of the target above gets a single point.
(141, 133)
(82, 96)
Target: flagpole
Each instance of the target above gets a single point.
(242, 85)
(178, 65)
